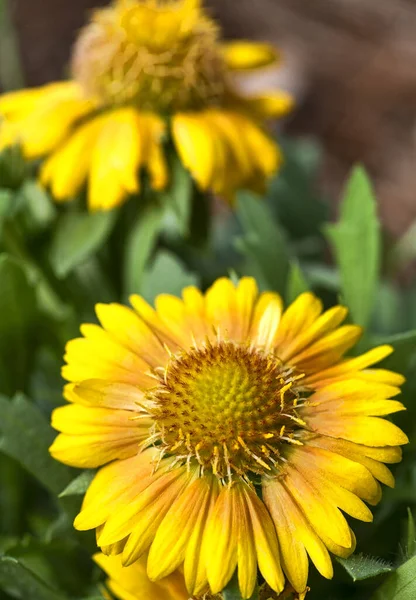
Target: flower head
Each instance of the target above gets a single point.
(145, 71)
(230, 434)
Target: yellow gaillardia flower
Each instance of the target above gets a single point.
(231, 434)
(144, 71)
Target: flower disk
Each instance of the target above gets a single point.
(228, 406)
(159, 56)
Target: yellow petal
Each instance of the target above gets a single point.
(152, 130)
(98, 356)
(115, 160)
(20, 103)
(371, 431)
(267, 550)
(105, 394)
(244, 55)
(66, 170)
(188, 512)
(124, 325)
(323, 515)
(271, 105)
(195, 147)
(349, 366)
(299, 316)
(295, 536)
(221, 541)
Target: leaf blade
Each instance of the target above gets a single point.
(356, 243)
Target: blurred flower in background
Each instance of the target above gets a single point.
(134, 93)
(192, 407)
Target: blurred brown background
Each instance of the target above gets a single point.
(351, 64)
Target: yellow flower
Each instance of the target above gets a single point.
(231, 434)
(145, 72)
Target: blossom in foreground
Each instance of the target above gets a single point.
(230, 433)
(145, 72)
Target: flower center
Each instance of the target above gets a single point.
(160, 56)
(229, 406)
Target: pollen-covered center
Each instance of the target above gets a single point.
(229, 406)
(160, 56)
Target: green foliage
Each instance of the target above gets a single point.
(178, 197)
(411, 535)
(401, 585)
(140, 243)
(360, 567)
(263, 244)
(26, 437)
(166, 275)
(356, 243)
(17, 310)
(76, 237)
(79, 485)
(21, 582)
(297, 283)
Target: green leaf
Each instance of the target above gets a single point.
(361, 567)
(140, 244)
(167, 275)
(26, 437)
(404, 345)
(79, 485)
(178, 197)
(17, 310)
(401, 585)
(296, 284)
(20, 582)
(263, 244)
(39, 210)
(78, 236)
(356, 243)
(411, 534)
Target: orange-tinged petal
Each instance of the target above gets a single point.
(170, 545)
(160, 492)
(324, 517)
(117, 482)
(296, 536)
(105, 394)
(371, 431)
(124, 325)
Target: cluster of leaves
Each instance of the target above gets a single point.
(56, 262)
